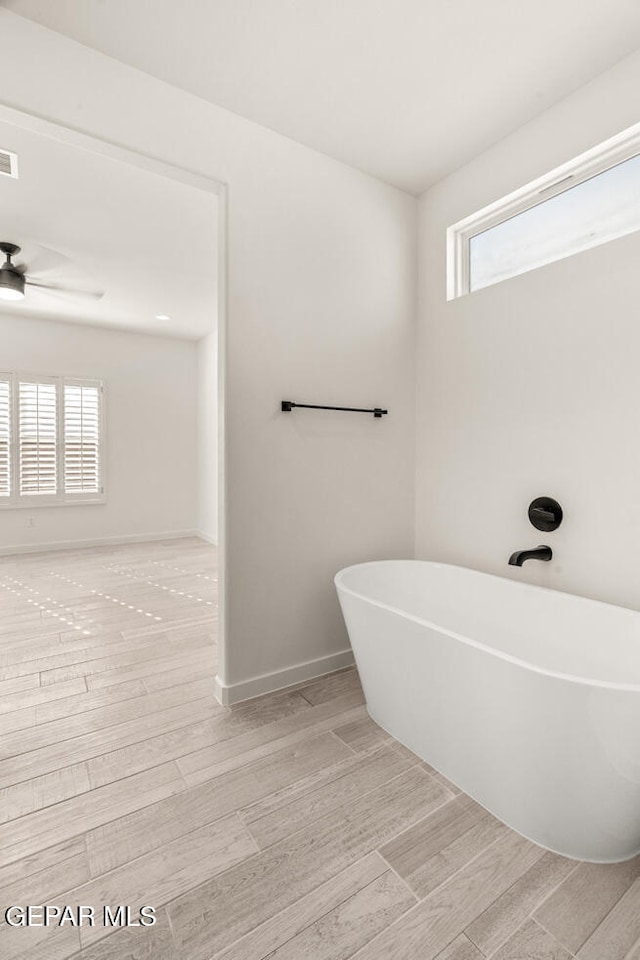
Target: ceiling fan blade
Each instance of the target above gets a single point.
(43, 259)
(62, 288)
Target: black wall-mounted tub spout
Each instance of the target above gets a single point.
(539, 553)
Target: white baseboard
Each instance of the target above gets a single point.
(97, 542)
(228, 694)
(207, 537)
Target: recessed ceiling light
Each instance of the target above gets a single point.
(162, 316)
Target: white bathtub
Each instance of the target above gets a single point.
(528, 699)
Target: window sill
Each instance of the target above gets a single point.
(38, 503)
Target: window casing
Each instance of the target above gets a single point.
(6, 434)
(52, 441)
(607, 177)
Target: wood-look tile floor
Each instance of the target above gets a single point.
(287, 828)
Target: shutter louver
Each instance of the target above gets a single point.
(37, 436)
(81, 439)
(5, 438)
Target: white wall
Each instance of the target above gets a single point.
(321, 301)
(150, 385)
(531, 387)
(207, 424)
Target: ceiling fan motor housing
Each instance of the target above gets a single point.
(12, 279)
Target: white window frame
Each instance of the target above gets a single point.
(18, 501)
(623, 146)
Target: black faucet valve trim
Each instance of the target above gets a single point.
(545, 513)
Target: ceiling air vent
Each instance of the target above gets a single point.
(8, 163)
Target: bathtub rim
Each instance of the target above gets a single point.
(509, 658)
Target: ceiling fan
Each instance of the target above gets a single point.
(14, 278)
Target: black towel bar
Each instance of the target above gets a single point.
(288, 405)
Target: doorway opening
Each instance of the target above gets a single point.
(111, 424)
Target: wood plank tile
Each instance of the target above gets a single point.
(454, 857)
(222, 910)
(41, 860)
(331, 686)
(175, 744)
(580, 904)
(42, 879)
(409, 852)
(70, 667)
(67, 819)
(35, 694)
(297, 806)
(404, 751)
(634, 953)
(532, 941)
(173, 869)
(83, 700)
(619, 932)
(284, 926)
(501, 920)
(169, 678)
(441, 844)
(49, 884)
(47, 759)
(40, 943)
(409, 754)
(440, 777)
(362, 734)
(137, 671)
(17, 720)
(436, 921)
(112, 714)
(135, 834)
(23, 798)
(254, 744)
(10, 687)
(80, 637)
(85, 647)
(46, 666)
(256, 713)
(145, 943)
(351, 924)
(225, 725)
(462, 949)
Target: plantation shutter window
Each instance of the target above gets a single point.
(81, 438)
(5, 438)
(37, 415)
(51, 441)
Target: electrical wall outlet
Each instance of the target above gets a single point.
(31, 521)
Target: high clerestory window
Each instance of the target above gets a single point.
(588, 201)
(51, 440)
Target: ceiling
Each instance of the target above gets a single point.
(148, 242)
(406, 90)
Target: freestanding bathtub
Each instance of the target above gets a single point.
(528, 699)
